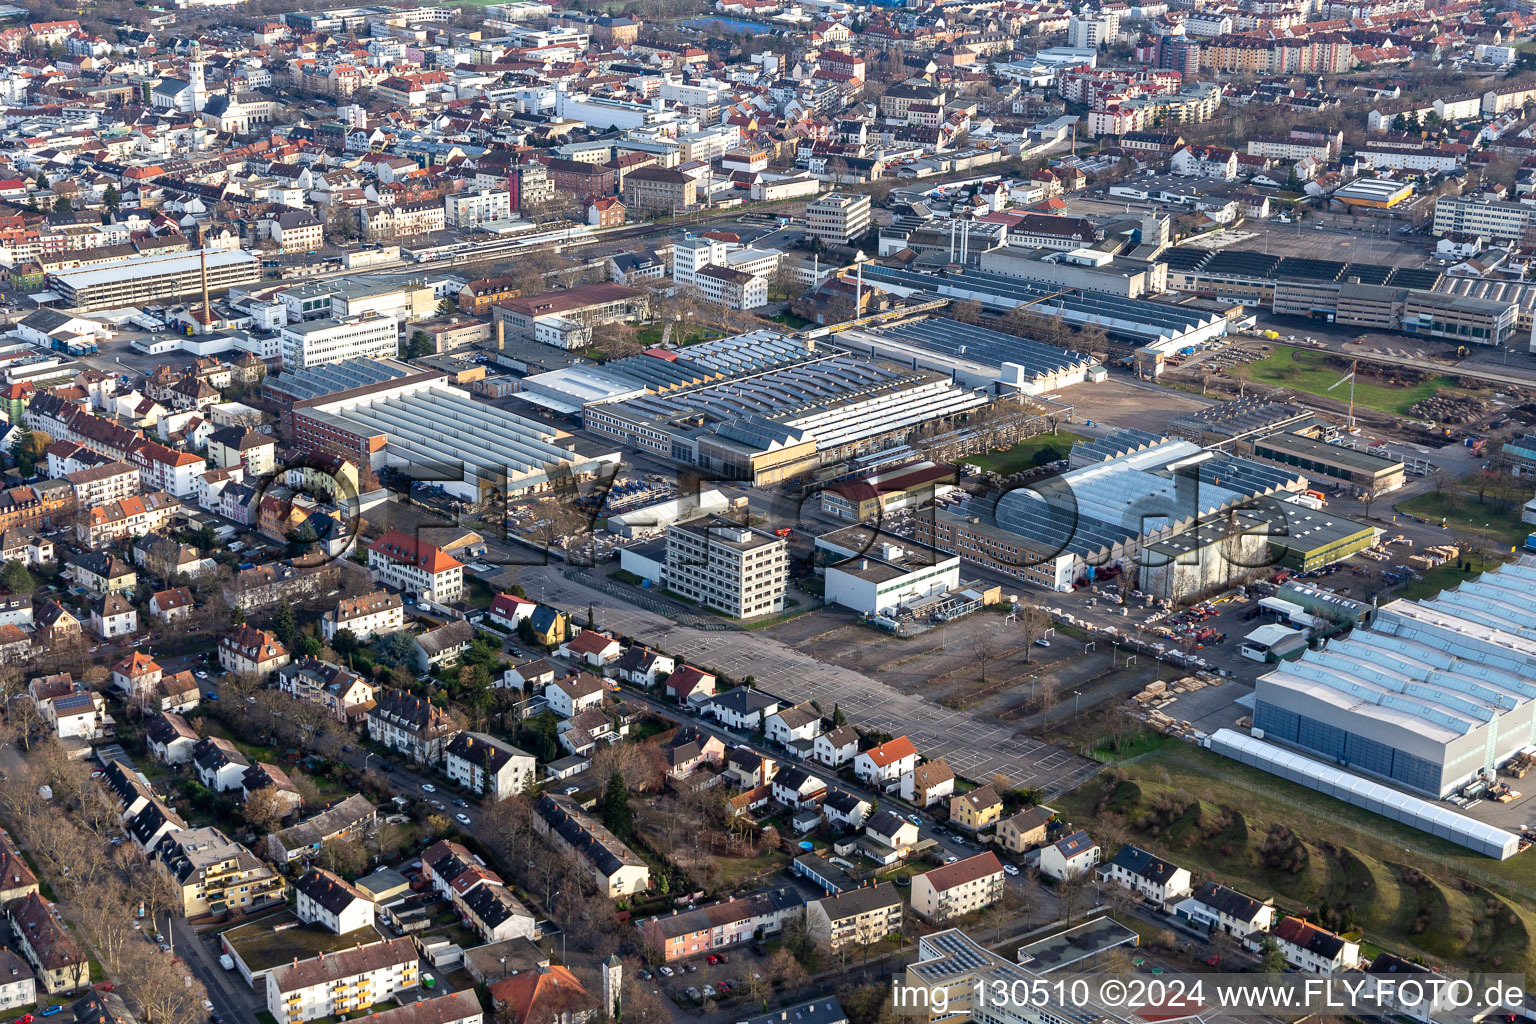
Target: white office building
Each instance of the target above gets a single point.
(318, 342)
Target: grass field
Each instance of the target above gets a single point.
(1035, 451)
(682, 334)
(1442, 577)
(1459, 508)
(1309, 371)
(1346, 867)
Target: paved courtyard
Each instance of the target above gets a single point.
(974, 746)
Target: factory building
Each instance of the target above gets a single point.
(784, 422)
(875, 573)
(423, 421)
(1432, 697)
(977, 357)
(136, 280)
(871, 495)
(1134, 499)
(1235, 425)
(1348, 468)
(1138, 323)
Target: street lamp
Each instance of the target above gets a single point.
(1075, 695)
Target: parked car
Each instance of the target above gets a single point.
(463, 819)
(1010, 869)
(427, 787)
(665, 971)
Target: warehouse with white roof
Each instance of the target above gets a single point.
(1433, 696)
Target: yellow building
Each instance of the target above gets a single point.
(976, 810)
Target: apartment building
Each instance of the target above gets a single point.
(333, 903)
(46, 944)
(731, 568)
(1314, 950)
(1485, 217)
(482, 206)
(957, 889)
(859, 917)
(486, 765)
(659, 190)
(1023, 831)
(213, 874)
(341, 983)
(689, 932)
(838, 218)
(365, 616)
(1217, 908)
(402, 561)
(328, 340)
(97, 485)
(616, 868)
(410, 724)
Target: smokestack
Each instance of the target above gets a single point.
(501, 335)
(207, 308)
(858, 293)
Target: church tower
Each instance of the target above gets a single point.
(196, 81)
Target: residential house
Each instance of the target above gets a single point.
(219, 764)
(170, 738)
(547, 993)
(484, 765)
(957, 889)
(593, 649)
(1023, 831)
(887, 763)
(252, 651)
(170, 606)
(691, 747)
(443, 646)
(740, 708)
(410, 724)
(745, 768)
(837, 747)
(581, 733)
(844, 810)
(409, 564)
(888, 837)
(928, 783)
(351, 816)
(1218, 908)
(548, 627)
(795, 728)
(572, 695)
(18, 985)
(214, 874)
(1141, 872)
(689, 686)
(113, 616)
(507, 610)
(1314, 950)
(642, 666)
(861, 917)
(101, 572)
(797, 788)
(976, 810)
(530, 675)
(16, 877)
(342, 982)
(263, 776)
(327, 900)
(1069, 857)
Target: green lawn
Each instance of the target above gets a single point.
(1459, 509)
(682, 334)
(1036, 451)
(788, 319)
(1309, 371)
